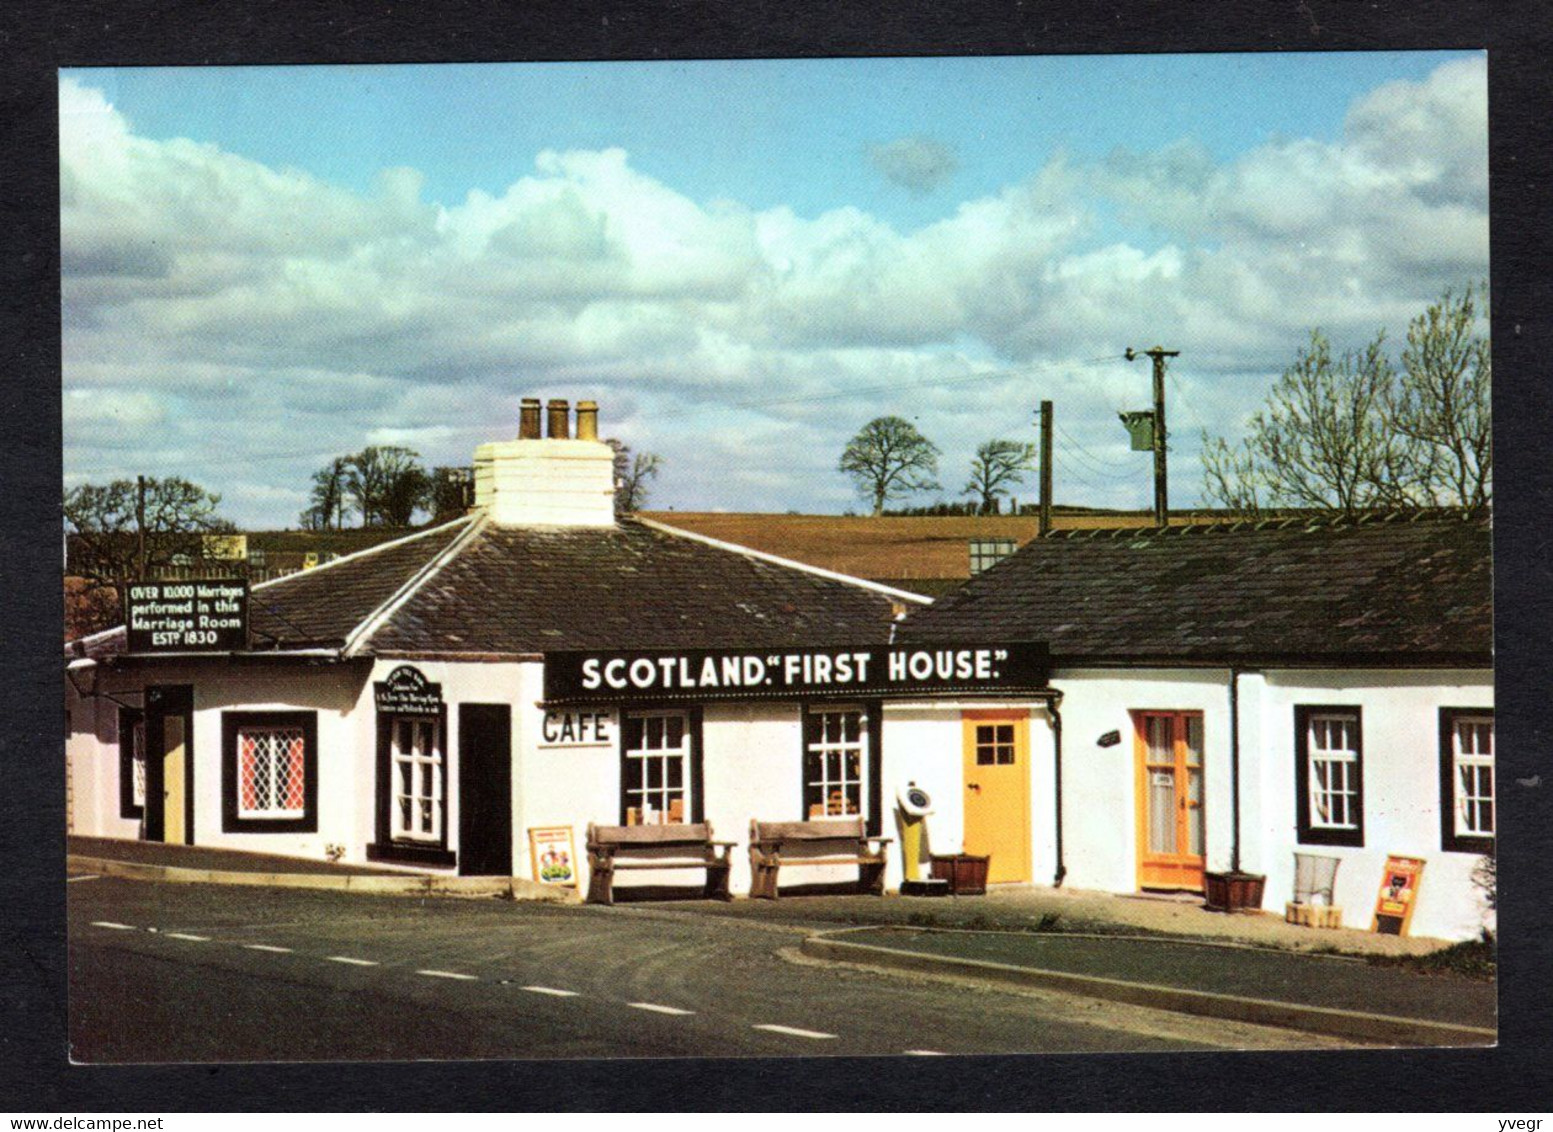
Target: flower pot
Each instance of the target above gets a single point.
(1233, 892)
(965, 872)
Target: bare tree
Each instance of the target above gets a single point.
(1442, 403)
(633, 470)
(388, 485)
(126, 529)
(996, 468)
(889, 458)
(1353, 433)
(329, 505)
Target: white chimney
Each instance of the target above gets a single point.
(551, 481)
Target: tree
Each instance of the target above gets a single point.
(997, 467)
(633, 470)
(1354, 433)
(388, 485)
(452, 491)
(126, 529)
(889, 458)
(328, 498)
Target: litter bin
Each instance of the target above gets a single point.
(965, 873)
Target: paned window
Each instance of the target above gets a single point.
(417, 775)
(994, 744)
(656, 767)
(835, 760)
(1467, 780)
(132, 764)
(271, 772)
(1331, 775)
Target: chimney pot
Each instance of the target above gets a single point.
(528, 419)
(560, 420)
(587, 420)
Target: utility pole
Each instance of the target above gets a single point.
(1046, 467)
(1158, 354)
(140, 528)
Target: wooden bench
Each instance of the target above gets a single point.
(828, 841)
(676, 846)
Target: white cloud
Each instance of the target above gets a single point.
(245, 320)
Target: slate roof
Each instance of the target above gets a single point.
(1396, 589)
(537, 589)
(474, 588)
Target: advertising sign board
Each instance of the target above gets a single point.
(851, 671)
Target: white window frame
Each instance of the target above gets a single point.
(825, 750)
(1346, 758)
(637, 797)
(426, 752)
(1462, 812)
(273, 809)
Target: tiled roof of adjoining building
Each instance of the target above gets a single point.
(1409, 589)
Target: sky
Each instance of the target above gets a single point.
(743, 262)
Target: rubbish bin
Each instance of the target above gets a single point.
(915, 805)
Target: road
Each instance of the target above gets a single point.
(171, 972)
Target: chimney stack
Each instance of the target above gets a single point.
(551, 479)
(560, 420)
(528, 419)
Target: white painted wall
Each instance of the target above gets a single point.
(1400, 719)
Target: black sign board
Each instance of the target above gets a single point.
(208, 615)
(408, 690)
(868, 670)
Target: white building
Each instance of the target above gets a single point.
(1229, 696)
(539, 665)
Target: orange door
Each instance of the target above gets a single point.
(997, 791)
(1170, 799)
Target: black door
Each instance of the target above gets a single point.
(169, 723)
(485, 789)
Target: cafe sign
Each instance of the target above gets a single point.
(210, 615)
(408, 691)
(870, 670)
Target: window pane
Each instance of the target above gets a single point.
(675, 731)
(1162, 811)
(1194, 740)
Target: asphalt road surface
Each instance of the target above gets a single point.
(173, 972)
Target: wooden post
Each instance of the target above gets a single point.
(1046, 467)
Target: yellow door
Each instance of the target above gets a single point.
(173, 756)
(1170, 799)
(997, 791)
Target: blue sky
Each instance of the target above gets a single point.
(396, 253)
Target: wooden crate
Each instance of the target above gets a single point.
(1313, 915)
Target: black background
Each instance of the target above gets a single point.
(37, 38)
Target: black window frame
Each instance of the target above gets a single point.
(695, 773)
(231, 723)
(408, 851)
(1305, 833)
(128, 717)
(873, 719)
(1450, 840)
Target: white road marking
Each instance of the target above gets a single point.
(552, 990)
(793, 1031)
(187, 936)
(83, 876)
(447, 975)
(656, 1009)
(111, 924)
(925, 1053)
(352, 962)
(267, 947)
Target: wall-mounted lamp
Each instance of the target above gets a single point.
(82, 675)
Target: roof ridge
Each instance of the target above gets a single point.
(1312, 521)
(369, 625)
(778, 560)
(312, 572)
